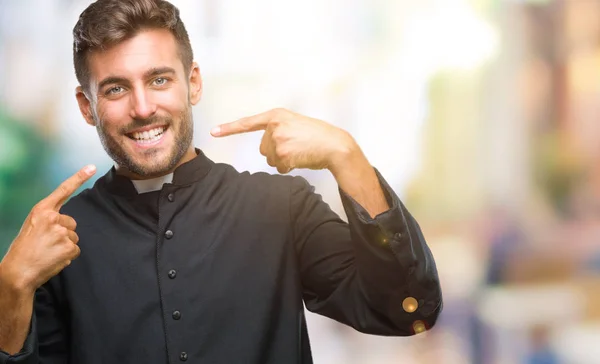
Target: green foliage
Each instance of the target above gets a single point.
(23, 161)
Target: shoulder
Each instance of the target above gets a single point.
(257, 181)
(263, 190)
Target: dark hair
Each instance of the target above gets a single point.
(108, 22)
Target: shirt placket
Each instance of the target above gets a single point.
(166, 244)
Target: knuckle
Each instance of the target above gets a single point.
(275, 123)
(245, 122)
(38, 211)
(43, 217)
(61, 231)
(53, 217)
(63, 189)
(278, 135)
(70, 221)
(81, 177)
(76, 251)
(280, 151)
(71, 251)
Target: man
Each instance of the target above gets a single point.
(183, 259)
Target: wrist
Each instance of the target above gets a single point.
(349, 161)
(13, 282)
(345, 155)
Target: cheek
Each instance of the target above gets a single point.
(174, 101)
(112, 115)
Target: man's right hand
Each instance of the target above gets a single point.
(47, 241)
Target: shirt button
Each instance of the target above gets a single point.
(410, 304)
(176, 315)
(171, 197)
(168, 234)
(419, 326)
(172, 273)
(183, 356)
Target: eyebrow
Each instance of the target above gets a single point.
(153, 72)
(158, 71)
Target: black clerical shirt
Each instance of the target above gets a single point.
(215, 267)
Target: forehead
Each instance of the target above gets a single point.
(132, 57)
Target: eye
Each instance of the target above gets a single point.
(160, 81)
(114, 90)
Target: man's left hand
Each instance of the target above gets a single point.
(294, 141)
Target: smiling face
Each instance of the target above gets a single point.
(139, 100)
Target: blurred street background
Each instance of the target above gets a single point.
(482, 114)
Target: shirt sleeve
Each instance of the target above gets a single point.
(375, 274)
(47, 341)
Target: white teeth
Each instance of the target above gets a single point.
(149, 135)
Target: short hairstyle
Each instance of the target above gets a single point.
(108, 22)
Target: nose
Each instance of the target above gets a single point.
(142, 106)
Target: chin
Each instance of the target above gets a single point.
(150, 170)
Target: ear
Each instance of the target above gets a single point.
(195, 84)
(85, 106)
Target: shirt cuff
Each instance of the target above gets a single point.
(388, 229)
(394, 237)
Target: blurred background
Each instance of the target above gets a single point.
(482, 114)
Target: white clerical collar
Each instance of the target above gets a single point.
(153, 184)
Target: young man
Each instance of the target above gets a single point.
(183, 259)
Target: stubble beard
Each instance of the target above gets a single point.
(182, 141)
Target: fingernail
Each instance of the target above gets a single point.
(90, 169)
(216, 130)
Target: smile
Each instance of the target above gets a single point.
(148, 136)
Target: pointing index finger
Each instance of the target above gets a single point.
(244, 125)
(62, 193)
